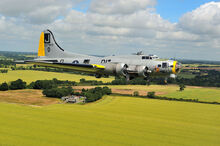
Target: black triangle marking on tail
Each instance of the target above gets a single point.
(55, 40)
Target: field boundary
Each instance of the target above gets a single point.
(167, 98)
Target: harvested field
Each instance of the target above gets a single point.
(27, 97)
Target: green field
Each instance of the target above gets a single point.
(34, 56)
(29, 76)
(2, 57)
(202, 94)
(187, 75)
(196, 65)
(172, 91)
(111, 121)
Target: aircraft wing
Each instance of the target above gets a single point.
(73, 66)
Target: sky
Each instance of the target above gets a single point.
(172, 10)
(182, 29)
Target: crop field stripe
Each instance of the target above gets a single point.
(111, 121)
(172, 91)
(30, 75)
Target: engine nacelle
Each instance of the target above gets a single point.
(139, 70)
(116, 68)
(142, 71)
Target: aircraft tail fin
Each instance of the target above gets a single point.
(41, 50)
(48, 46)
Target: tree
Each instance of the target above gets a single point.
(95, 93)
(4, 71)
(182, 87)
(44, 84)
(136, 93)
(82, 80)
(106, 90)
(18, 84)
(138, 81)
(4, 86)
(58, 92)
(120, 81)
(31, 85)
(13, 68)
(151, 95)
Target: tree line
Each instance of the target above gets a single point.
(39, 84)
(56, 89)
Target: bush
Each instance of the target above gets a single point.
(78, 94)
(138, 81)
(44, 84)
(182, 87)
(95, 93)
(18, 84)
(56, 81)
(151, 95)
(4, 86)
(106, 90)
(90, 82)
(48, 84)
(4, 71)
(136, 93)
(90, 97)
(31, 85)
(121, 81)
(58, 92)
(82, 80)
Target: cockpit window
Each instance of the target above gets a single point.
(146, 57)
(159, 65)
(164, 65)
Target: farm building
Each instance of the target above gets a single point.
(74, 99)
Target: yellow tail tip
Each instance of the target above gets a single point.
(41, 49)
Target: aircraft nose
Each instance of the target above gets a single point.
(176, 67)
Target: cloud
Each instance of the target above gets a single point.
(36, 11)
(111, 27)
(204, 20)
(120, 6)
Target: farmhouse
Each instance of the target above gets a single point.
(74, 99)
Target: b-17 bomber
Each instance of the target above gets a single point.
(50, 54)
